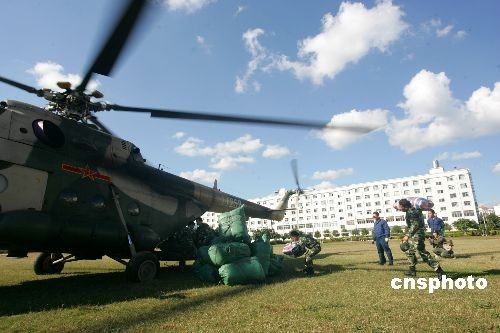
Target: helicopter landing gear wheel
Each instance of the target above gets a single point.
(44, 263)
(142, 267)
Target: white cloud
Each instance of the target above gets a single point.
(201, 176)
(444, 31)
(259, 54)
(188, 6)
(230, 162)
(339, 138)
(332, 174)
(239, 10)
(203, 44)
(436, 27)
(178, 135)
(275, 151)
(346, 38)
(461, 34)
(224, 155)
(459, 156)
(434, 117)
(323, 186)
(325, 55)
(496, 168)
(47, 75)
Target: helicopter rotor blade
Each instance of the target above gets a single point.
(173, 114)
(110, 52)
(295, 172)
(22, 86)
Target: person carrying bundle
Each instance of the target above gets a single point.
(311, 246)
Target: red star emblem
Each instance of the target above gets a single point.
(87, 172)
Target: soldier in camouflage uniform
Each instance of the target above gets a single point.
(414, 239)
(312, 248)
(203, 233)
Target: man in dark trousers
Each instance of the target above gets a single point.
(381, 234)
(414, 239)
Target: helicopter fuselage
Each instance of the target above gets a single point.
(67, 187)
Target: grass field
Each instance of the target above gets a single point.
(349, 292)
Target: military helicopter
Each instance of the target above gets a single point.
(69, 186)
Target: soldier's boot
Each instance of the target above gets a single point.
(411, 272)
(440, 272)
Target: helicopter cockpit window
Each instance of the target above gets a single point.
(48, 133)
(137, 156)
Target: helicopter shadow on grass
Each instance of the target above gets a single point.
(74, 289)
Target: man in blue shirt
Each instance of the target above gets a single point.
(435, 223)
(381, 234)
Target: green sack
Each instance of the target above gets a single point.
(243, 271)
(206, 272)
(233, 226)
(225, 253)
(262, 250)
(202, 255)
(275, 265)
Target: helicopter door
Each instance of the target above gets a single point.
(21, 188)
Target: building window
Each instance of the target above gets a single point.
(454, 204)
(453, 195)
(466, 203)
(440, 191)
(463, 185)
(406, 192)
(405, 184)
(469, 213)
(415, 182)
(417, 191)
(465, 194)
(442, 209)
(451, 187)
(456, 214)
(461, 177)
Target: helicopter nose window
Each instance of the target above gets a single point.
(48, 133)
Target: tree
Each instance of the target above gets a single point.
(285, 236)
(355, 232)
(317, 234)
(447, 226)
(492, 221)
(365, 232)
(396, 229)
(326, 233)
(335, 233)
(465, 224)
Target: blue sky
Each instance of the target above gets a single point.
(427, 73)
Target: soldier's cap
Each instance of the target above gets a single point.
(404, 246)
(404, 203)
(294, 233)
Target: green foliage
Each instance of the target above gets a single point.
(317, 234)
(365, 232)
(396, 230)
(326, 233)
(447, 226)
(335, 233)
(355, 232)
(465, 224)
(492, 222)
(271, 233)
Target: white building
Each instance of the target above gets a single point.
(351, 207)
